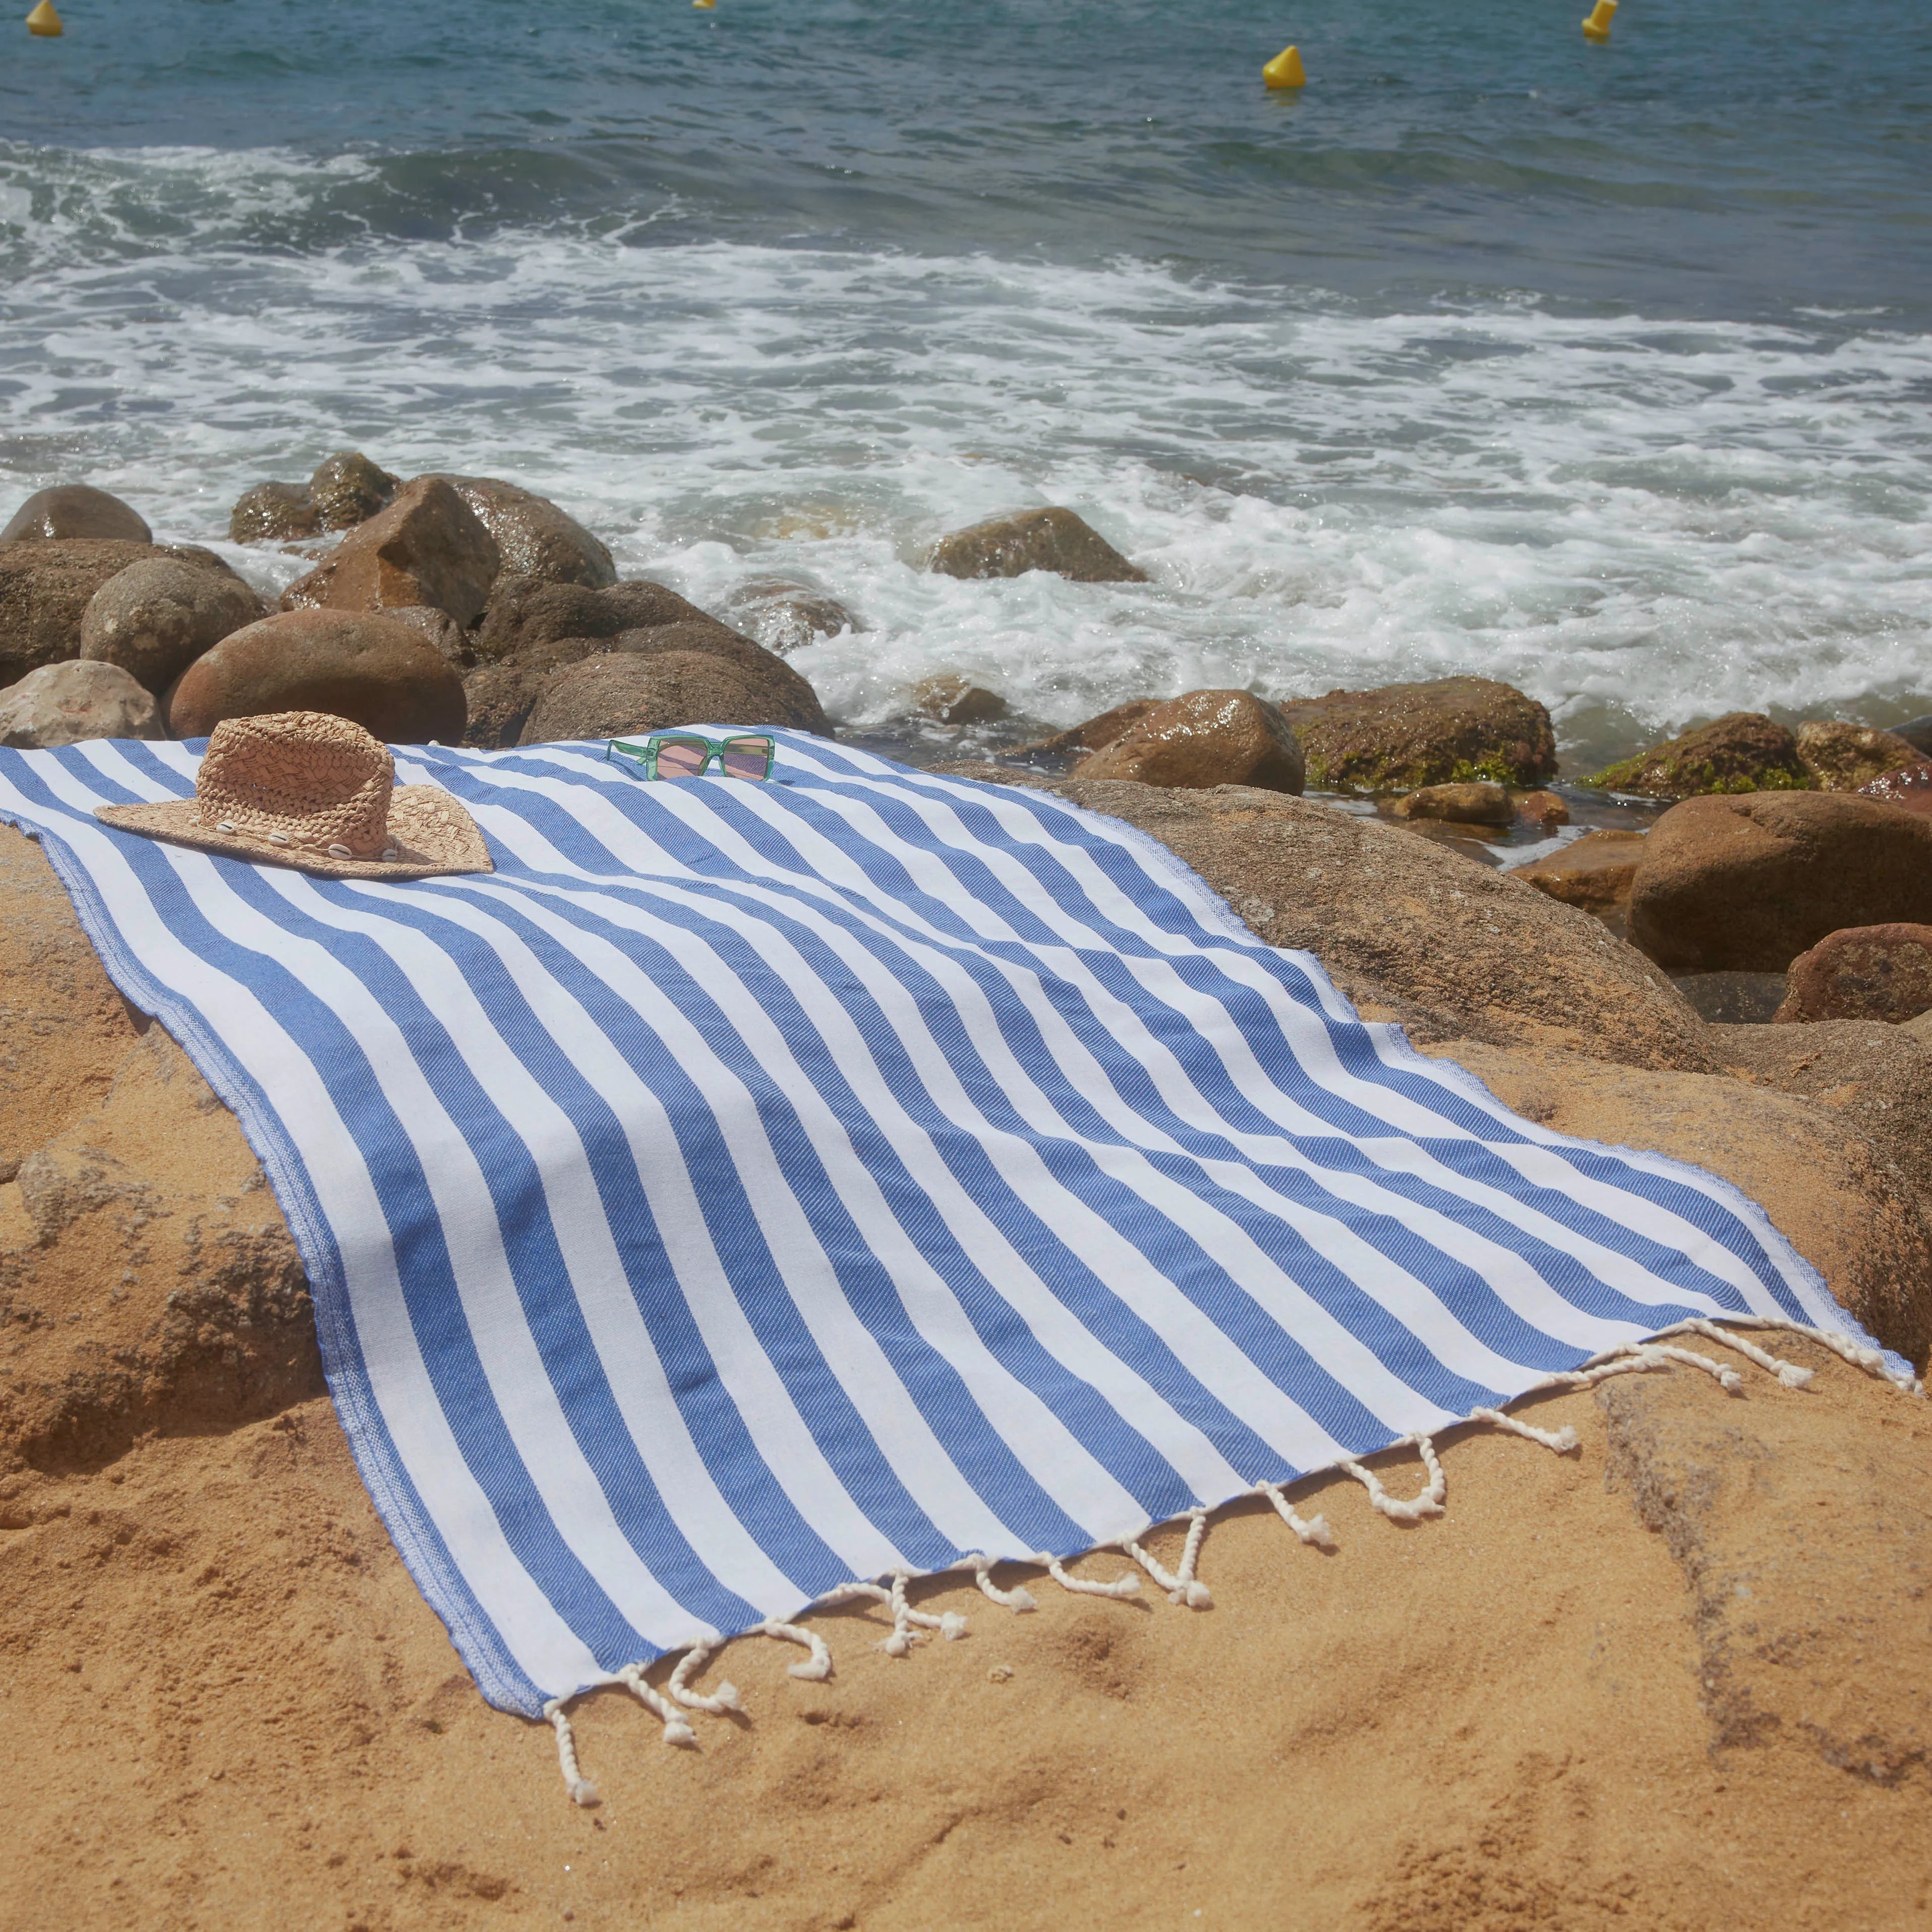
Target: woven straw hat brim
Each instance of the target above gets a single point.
(433, 834)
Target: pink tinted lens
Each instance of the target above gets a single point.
(676, 760)
(747, 759)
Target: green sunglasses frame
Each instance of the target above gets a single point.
(646, 754)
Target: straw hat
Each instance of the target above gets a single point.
(305, 789)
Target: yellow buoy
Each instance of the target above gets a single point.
(44, 20)
(1597, 26)
(1286, 69)
(704, 3)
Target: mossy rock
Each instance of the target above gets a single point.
(1744, 752)
(1451, 730)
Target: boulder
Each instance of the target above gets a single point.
(1733, 999)
(534, 538)
(1917, 732)
(1878, 1077)
(156, 617)
(46, 586)
(438, 626)
(1593, 873)
(620, 693)
(428, 547)
(273, 513)
(147, 1281)
(1746, 884)
(785, 617)
(1910, 789)
(1408, 929)
(1476, 802)
(347, 489)
(1055, 539)
(1834, 1194)
(1403, 736)
(499, 697)
(526, 610)
(1546, 810)
(1862, 972)
(1206, 738)
(366, 666)
(1838, 757)
(62, 703)
(949, 699)
(1741, 752)
(1097, 734)
(76, 510)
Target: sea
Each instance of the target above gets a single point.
(1603, 369)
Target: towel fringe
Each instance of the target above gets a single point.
(1019, 1599)
(675, 1730)
(1426, 1502)
(717, 1702)
(1120, 1586)
(582, 1791)
(1313, 1529)
(1180, 1585)
(817, 1666)
(907, 1623)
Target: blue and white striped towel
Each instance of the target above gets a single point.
(749, 1189)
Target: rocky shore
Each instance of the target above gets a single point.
(1690, 1683)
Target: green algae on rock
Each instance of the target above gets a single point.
(1742, 752)
(1451, 730)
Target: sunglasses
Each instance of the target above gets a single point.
(677, 754)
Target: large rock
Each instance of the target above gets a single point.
(273, 513)
(1741, 752)
(383, 673)
(147, 1279)
(500, 697)
(536, 539)
(1403, 736)
(1839, 757)
(1206, 738)
(1917, 732)
(1910, 789)
(525, 611)
(1593, 873)
(1746, 884)
(949, 699)
(620, 693)
(76, 510)
(1834, 1195)
(63, 703)
(785, 617)
(46, 587)
(1055, 539)
(1096, 734)
(428, 547)
(156, 617)
(1409, 930)
(1862, 972)
(1879, 1077)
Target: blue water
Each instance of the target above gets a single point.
(1605, 369)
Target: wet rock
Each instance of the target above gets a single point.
(156, 616)
(366, 666)
(1733, 999)
(76, 510)
(1917, 732)
(952, 700)
(1862, 972)
(428, 547)
(46, 586)
(1743, 752)
(525, 610)
(438, 626)
(1475, 803)
(1408, 929)
(1097, 734)
(1879, 1077)
(1206, 738)
(1544, 809)
(1593, 873)
(1055, 539)
(147, 1279)
(620, 693)
(1401, 736)
(785, 617)
(347, 489)
(501, 696)
(1910, 789)
(1837, 1197)
(1747, 884)
(63, 703)
(534, 537)
(1838, 757)
(273, 513)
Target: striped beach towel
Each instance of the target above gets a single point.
(749, 1190)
